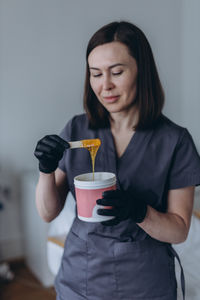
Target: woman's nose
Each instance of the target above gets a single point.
(107, 83)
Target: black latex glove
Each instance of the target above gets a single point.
(49, 151)
(124, 205)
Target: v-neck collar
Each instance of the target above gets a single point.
(132, 143)
(132, 140)
(134, 146)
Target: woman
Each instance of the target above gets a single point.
(157, 168)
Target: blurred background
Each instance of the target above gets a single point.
(42, 68)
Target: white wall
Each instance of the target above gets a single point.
(190, 68)
(42, 66)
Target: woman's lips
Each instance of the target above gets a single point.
(111, 98)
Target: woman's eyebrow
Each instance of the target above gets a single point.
(110, 67)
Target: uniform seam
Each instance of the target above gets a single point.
(115, 276)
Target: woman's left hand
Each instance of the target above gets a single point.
(124, 206)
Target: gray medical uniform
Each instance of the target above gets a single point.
(123, 261)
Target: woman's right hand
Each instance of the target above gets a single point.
(49, 151)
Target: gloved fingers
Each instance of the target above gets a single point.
(111, 194)
(45, 157)
(112, 222)
(107, 212)
(117, 202)
(60, 141)
(44, 148)
(106, 202)
(48, 155)
(51, 143)
(38, 154)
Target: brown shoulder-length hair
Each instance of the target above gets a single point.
(150, 95)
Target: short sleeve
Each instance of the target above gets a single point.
(66, 135)
(185, 167)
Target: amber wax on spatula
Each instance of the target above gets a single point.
(92, 145)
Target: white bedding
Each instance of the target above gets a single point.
(189, 253)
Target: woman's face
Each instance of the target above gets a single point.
(113, 76)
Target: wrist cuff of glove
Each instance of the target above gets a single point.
(141, 216)
(47, 170)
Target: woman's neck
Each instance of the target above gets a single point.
(124, 120)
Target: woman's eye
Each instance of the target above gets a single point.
(96, 75)
(117, 73)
